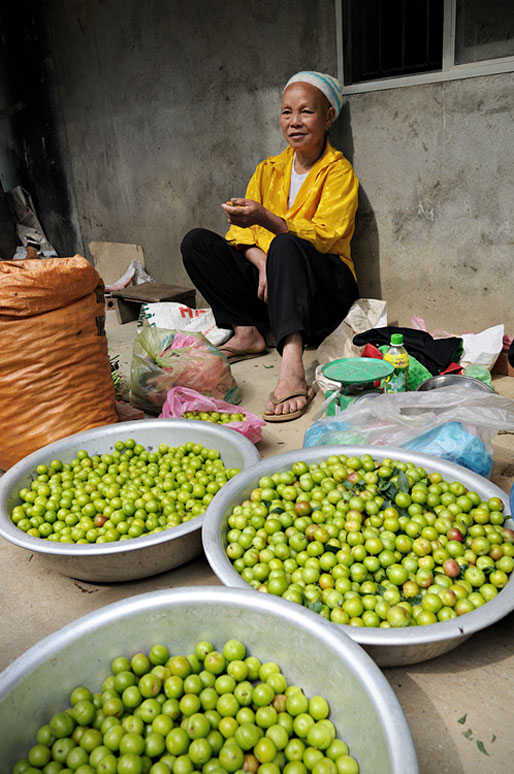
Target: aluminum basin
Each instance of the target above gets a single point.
(453, 380)
(389, 647)
(311, 653)
(137, 557)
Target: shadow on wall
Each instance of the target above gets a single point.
(40, 147)
(365, 242)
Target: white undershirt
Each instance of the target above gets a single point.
(295, 185)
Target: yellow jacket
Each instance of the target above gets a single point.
(323, 212)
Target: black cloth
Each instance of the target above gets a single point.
(308, 291)
(510, 354)
(435, 354)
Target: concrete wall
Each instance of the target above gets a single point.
(436, 228)
(169, 106)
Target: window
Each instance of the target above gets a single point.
(484, 30)
(386, 38)
(383, 44)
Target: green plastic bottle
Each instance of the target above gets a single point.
(399, 358)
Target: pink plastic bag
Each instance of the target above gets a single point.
(181, 399)
(418, 324)
(163, 359)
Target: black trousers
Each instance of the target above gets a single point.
(308, 292)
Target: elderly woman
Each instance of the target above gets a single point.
(285, 260)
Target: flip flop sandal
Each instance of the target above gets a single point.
(309, 393)
(235, 355)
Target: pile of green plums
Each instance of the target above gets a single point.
(220, 418)
(371, 543)
(211, 712)
(126, 493)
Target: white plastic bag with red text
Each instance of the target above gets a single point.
(176, 316)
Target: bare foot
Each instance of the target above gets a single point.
(291, 379)
(246, 339)
(282, 390)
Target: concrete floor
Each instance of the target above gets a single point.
(452, 702)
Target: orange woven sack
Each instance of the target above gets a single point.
(55, 376)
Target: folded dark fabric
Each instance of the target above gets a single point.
(435, 354)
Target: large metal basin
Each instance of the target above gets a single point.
(389, 647)
(454, 380)
(311, 653)
(137, 557)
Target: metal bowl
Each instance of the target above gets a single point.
(137, 557)
(453, 380)
(389, 647)
(364, 708)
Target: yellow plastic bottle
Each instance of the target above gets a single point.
(399, 358)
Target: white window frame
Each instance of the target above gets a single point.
(449, 72)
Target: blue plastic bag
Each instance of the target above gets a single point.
(453, 423)
(335, 432)
(451, 442)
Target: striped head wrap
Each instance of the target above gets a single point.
(328, 86)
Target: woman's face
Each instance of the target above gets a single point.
(305, 118)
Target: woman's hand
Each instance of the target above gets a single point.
(258, 257)
(247, 212)
(262, 290)
(244, 212)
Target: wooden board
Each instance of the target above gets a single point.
(128, 300)
(152, 292)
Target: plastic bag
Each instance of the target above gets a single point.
(135, 275)
(28, 226)
(482, 348)
(417, 373)
(419, 324)
(364, 313)
(162, 359)
(478, 372)
(172, 315)
(182, 399)
(398, 419)
(451, 442)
